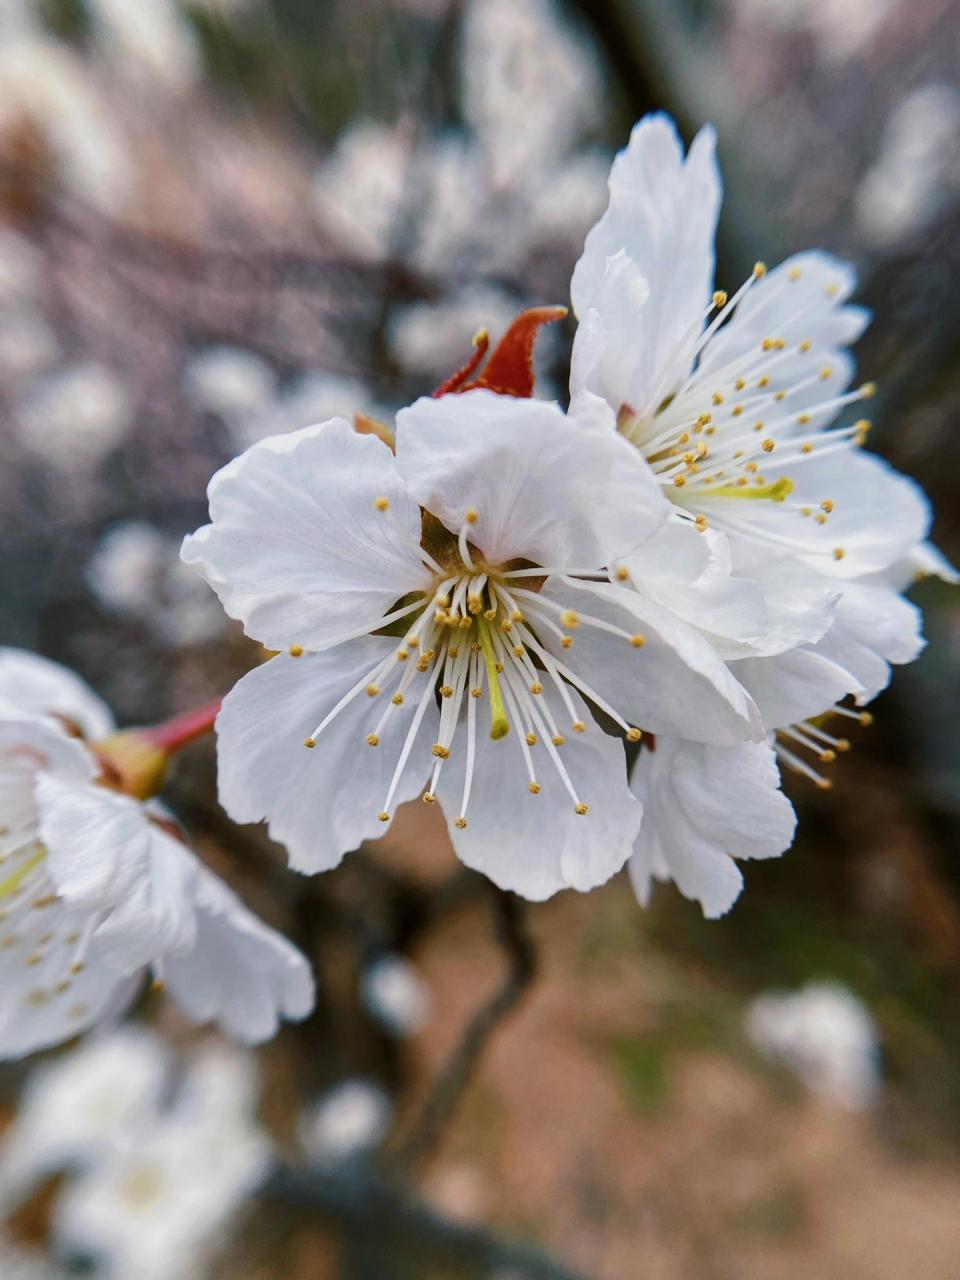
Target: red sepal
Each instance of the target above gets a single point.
(509, 370)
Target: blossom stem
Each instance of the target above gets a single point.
(180, 731)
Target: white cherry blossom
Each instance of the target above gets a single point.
(448, 613)
(97, 889)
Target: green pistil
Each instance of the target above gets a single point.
(499, 724)
(779, 491)
(14, 881)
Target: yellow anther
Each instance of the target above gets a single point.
(763, 382)
(372, 690)
(578, 726)
(532, 739)
(832, 289)
(382, 503)
(464, 624)
(518, 651)
(768, 445)
(868, 390)
(475, 603)
(736, 411)
(751, 467)
(476, 692)
(638, 640)
(794, 273)
(489, 614)
(827, 505)
(689, 457)
(720, 298)
(460, 823)
(536, 687)
(717, 397)
(759, 270)
(533, 788)
(506, 624)
(862, 425)
(806, 511)
(701, 523)
(843, 744)
(516, 615)
(807, 448)
(384, 816)
(866, 718)
(581, 809)
(828, 756)
(295, 651)
(634, 735)
(453, 653)
(825, 784)
(442, 601)
(684, 438)
(705, 419)
(498, 667)
(826, 373)
(740, 384)
(428, 798)
(440, 751)
(820, 518)
(373, 740)
(805, 345)
(397, 699)
(838, 553)
(310, 742)
(471, 515)
(779, 395)
(446, 691)
(403, 655)
(423, 664)
(558, 740)
(77, 967)
(779, 343)
(679, 481)
(623, 574)
(767, 344)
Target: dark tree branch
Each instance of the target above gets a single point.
(452, 1081)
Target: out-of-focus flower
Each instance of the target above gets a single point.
(147, 43)
(73, 418)
(136, 570)
(359, 189)
(396, 995)
(96, 888)
(28, 345)
(430, 338)
(917, 167)
(151, 1186)
(47, 88)
(74, 1110)
(345, 1123)
(230, 382)
(841, 28)
(472, 565)
(825, 1034)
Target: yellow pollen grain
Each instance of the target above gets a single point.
(382, 503)
(476, 692)
(372, 690)
(384, 816)
(806, 511)
(498, 667)
(516, 615)
(446, 691)
(843, 744)
(581, 809)
(578, 726)
(705, 419)
(295, 651)
(736, 411)
(683, 439)
(373, 740)
(489, 614)
(471, 515)
(77, 967)
(751, 467)
(717, 397)
(518, 651)
(739, 384)
(536, 687)
(403, 655)
(440, 751)
(460, 823)
(838, 553)
(779, 395)
(768, 445)
(679, 481)
(820, 518)
(866, 718)
(532, 739)
(805, 345)
(623, 574)
(720, 298)
(634, 735)
(759, 270)
(794, 273)
(827, 505)
(701, 523)
(868, 390)
(832, 289)
(558, 740)
(397, 699)
(826, 373)
(807, 448)
(310, 742)
(763, 382)
(638, 640)
(566, 642)
(429, 798)
(825, 784)
(533, 788)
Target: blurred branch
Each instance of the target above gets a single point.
(403, 1230)
(450, 1084)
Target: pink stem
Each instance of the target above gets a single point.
(183, 729)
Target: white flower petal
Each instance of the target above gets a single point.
(663, 213)
(298, 547)
(538, 485)
(323, 802)
(790, 687)
(676, 683)
(537, 844)
(35, 685)
(239, 973)
(874, 627)
(704, 807)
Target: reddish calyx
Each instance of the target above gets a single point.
(509, 370)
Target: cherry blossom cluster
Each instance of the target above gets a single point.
(589, 636)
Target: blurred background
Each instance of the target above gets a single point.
(220, 219)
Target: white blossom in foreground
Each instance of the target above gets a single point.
(825, 1034)
(445, 612)
(97, 888)
(731, 401)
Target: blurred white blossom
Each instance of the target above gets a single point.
(435, 338)
(230, 382)
(147, 42)
(348, 1121)
(841, 28)
(74, 417)
(916, 169)
(396, 995)
(826, 1035)
(136, 570)
(314, 397)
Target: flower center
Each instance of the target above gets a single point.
(710, 426)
